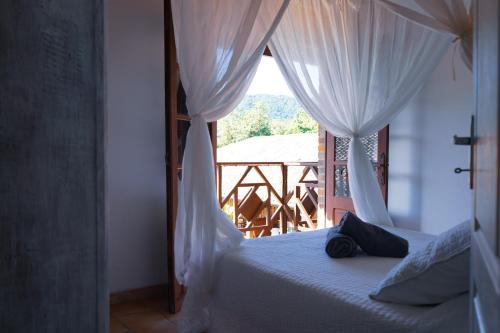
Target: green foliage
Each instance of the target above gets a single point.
(303, 123)
(228, 131)
(263, 115)
(280, 107)
(280, 127)
(229, 209)
(256, 121)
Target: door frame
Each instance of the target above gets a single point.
(174, 101)
(175, 291)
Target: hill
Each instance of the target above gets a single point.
(264, 115)
(280, 107)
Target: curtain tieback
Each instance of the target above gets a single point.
(466, 33)
(197, 117)
(355, 136)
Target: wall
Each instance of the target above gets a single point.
(136, 198)
(424, 192)
(52, 228)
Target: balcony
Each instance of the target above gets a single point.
(269, 198)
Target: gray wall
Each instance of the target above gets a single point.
(52, 232)
(136, 198)
(424, 192)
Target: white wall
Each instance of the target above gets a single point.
(136, 199)
(424, 192)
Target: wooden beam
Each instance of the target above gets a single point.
(235, 186)
(309, 222)
(284, 191)
(269, 184)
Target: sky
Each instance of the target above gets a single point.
(268, 79)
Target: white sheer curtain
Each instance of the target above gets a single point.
(354, 65)
(451, 16)
(219, 45)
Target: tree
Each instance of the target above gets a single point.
(263, 115)
(256, 121)
(242, 124)
(228, 129)
(302, 122)
(279, 127)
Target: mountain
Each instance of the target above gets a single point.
(280, 107)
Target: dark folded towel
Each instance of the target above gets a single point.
(339, 245)
(373, 240)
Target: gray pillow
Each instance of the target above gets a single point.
(436, 273)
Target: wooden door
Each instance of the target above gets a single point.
(338, 198)
(177, 122)
(485, 252)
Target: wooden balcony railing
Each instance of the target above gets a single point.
(265, 198)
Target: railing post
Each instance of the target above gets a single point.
(219, 184)
(295, 215)
(235, 211)
(268, 211)
(296, 210)
(284, 192)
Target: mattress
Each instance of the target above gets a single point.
(288, 284)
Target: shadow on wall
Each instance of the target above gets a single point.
(405, 167)
(424, 192)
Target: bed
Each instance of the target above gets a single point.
(288, 284)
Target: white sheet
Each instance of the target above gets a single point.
(288, 284)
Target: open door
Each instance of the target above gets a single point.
(177, 122)
(485, 252)
(338, 197)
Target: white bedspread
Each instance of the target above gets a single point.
(288, 284)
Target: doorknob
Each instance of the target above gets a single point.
(460, 170)
(467, 141)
